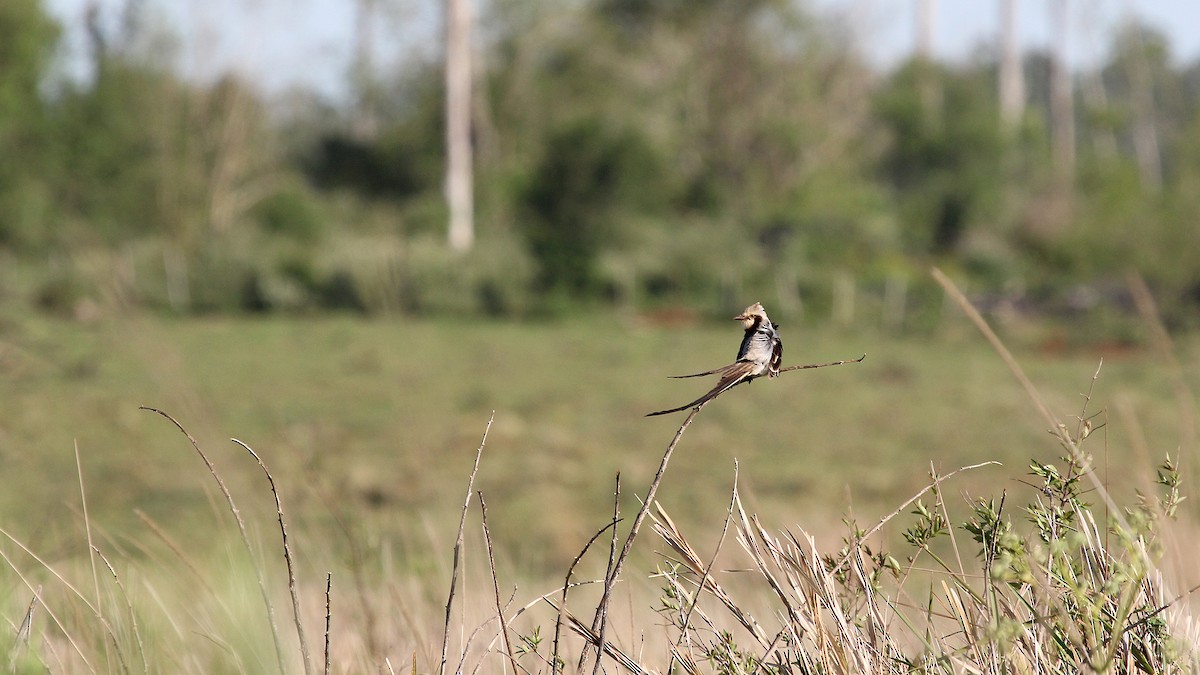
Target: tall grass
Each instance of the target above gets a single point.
(1057, 577)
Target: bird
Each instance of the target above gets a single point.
(761, 353)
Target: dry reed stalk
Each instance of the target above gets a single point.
(458, 543)
(328, 616)
(487, 538)
(602, 610)
(87, 528)
(615, 569)
(287, 557)
(824, 365)
(932, 486)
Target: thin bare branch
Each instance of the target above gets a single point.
(328, 616)
(562, 603)
(608, 576)
(487, 538)
(611, 579)
(824, 365)
(458, 542)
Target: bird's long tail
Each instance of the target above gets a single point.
(707, 372)
(731, 376)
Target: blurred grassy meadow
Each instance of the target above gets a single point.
(370, 428)
(377, 422)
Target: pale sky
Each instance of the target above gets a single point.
(286, 43)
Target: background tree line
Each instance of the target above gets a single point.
(636, 153)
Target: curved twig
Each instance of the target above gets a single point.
(823, 365)
(611, 579)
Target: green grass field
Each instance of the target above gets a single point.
(370, 429)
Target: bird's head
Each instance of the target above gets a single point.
(752, 314)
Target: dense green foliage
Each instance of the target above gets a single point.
(635, 152)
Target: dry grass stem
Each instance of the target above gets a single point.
(133, 621)
(602, 609)
(458, 543)
(328, 616)
(287, 557)
(593, 640)
(487, 538)
(555, 663)
(87, 528)
(611, 579)
(241, 525)
(932, 486)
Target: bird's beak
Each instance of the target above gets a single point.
(740, 317)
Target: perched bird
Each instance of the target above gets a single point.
(760, 354)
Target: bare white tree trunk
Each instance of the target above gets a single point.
(366, 118)
(1012, 76)
(459, 179)
(1095, 98)
(1062, 105)
(926, 9)
(1145, 130)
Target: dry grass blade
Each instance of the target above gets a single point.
(241, 525)
(24, 631)
(669, 532)
(458, 542)
(747, 538)
(87, 528)
(624, 660)
(287, 557)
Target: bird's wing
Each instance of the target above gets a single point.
(776, 357)
(731, 376)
